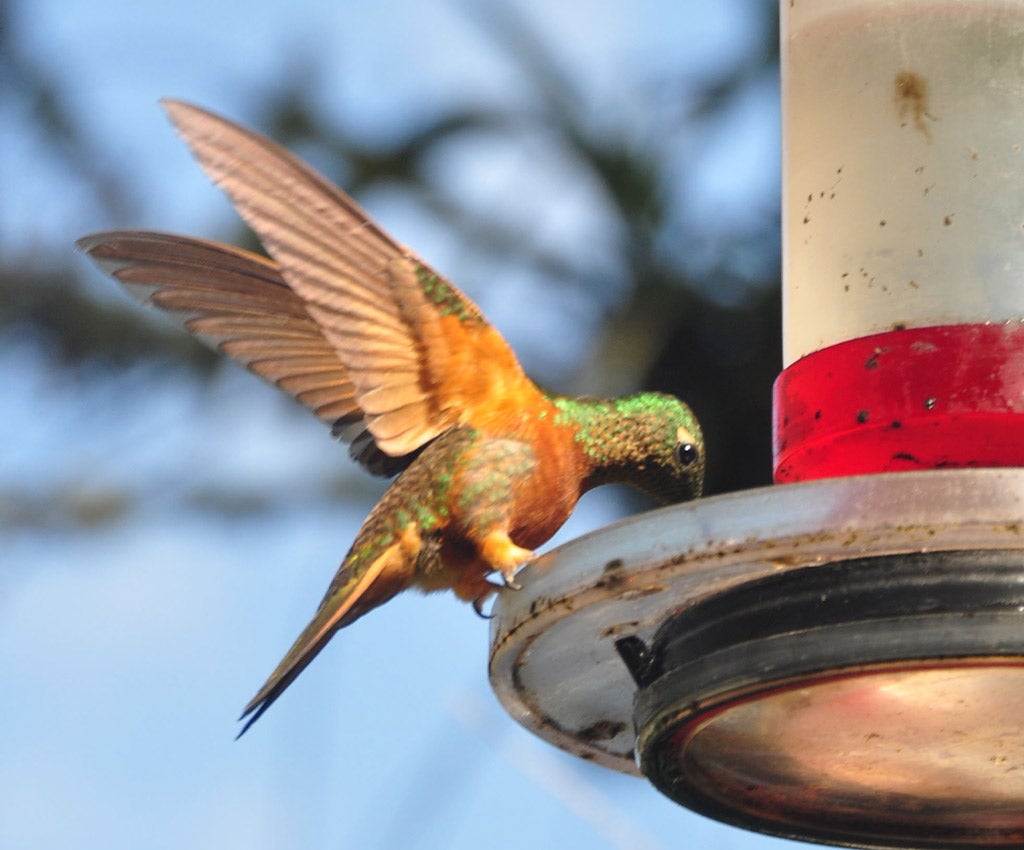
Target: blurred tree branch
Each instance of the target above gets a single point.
(25, 79)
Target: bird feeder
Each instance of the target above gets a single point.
(839, 658)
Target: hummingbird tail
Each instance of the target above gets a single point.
(352, 593)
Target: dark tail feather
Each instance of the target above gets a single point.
(293, 663)
(353, 592)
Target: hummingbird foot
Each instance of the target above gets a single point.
(503, 556)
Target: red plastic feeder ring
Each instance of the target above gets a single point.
(918, 398)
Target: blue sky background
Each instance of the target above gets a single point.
(128, 647)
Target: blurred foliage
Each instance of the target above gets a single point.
(25, 78)
(665, 330)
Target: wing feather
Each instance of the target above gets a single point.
(392, 321)
(239, 303)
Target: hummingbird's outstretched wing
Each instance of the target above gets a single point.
(420, 356)
(238, 302)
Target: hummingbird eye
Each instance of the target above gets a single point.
(686, 454)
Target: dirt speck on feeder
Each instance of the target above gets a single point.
(618, 629)
(905, 456)
(911, 94)
(602, 730)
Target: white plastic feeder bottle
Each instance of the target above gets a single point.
(903, 227)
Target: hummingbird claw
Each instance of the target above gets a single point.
(478, 606)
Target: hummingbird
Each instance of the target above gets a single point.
(404, 368)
